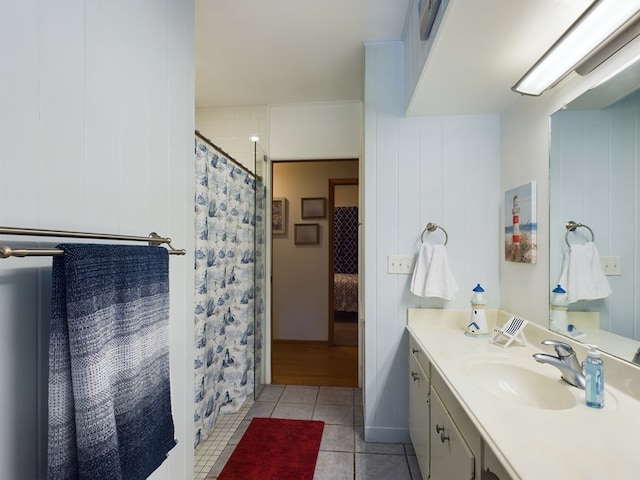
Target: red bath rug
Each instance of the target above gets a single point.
(275, 449)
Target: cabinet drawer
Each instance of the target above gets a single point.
(418, 353)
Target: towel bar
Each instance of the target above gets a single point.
(5, 252)
(571, 226)
(431, 227)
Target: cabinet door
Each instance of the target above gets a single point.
(492, 469)
(451, 458)
(419, 414)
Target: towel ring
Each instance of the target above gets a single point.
(431, 227)
(571, 226)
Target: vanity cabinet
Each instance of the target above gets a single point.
(419, 413)
(440, 448)
(447, 444)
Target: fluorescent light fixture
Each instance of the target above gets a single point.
(592, 28)
(620, 70)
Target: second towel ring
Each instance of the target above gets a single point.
(571, 226)
(431, 227)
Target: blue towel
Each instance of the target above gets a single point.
(109, 391)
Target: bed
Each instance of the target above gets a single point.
(345, 292)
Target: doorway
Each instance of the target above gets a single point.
(302, 350)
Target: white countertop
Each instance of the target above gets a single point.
(578, 443)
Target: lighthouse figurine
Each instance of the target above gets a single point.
(559, 307)
(478, 323)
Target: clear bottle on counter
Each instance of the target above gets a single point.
(594, 378)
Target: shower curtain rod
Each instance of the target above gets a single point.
(6, 252)
(213, 145)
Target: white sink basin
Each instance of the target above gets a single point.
(518, 383)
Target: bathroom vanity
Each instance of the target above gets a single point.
(481, 411)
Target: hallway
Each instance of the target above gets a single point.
(314, 364)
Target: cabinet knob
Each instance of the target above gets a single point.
(439, 428)
(415, 350)
(444, 438)
(415, 376)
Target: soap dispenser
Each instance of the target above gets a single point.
(559, 306)
(594, 378)
(477, 326)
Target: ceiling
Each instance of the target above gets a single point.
(257, 52)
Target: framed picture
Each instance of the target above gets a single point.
(279, 216)
(314, 207)
(427, 9)
(520, 227)
(307, 233)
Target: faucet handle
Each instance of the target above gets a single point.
(561, 348)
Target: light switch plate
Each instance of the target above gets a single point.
(400, 264)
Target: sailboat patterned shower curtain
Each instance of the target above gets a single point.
(224, 283)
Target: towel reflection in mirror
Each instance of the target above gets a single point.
(582, 275)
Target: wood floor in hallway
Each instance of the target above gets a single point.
(314, 364)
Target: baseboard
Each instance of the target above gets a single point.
(386, 435)
(284, 341)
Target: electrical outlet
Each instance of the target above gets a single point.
(611, 265)
(402, 264)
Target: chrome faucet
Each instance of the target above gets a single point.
(636, 357)
(566, 361)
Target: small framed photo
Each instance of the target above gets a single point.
(314, 207)
(307, 233)
(279, 216)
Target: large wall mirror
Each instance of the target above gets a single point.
(594, 180)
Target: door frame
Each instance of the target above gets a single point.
(333, 182)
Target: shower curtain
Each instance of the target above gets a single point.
(224, 283)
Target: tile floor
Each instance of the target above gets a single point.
(208, 451)
(344, 455)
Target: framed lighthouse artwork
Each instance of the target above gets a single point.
(520, 227)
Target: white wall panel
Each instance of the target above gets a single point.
(102, 67)
(418, 170)
(315, 131)
(410, 193)
(17, 96)
(96, 134)
(133, 124)
(431, 149)
(60, 120)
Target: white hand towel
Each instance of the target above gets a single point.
(431, 275)
(582, 275)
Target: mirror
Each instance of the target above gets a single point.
(594, 180)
